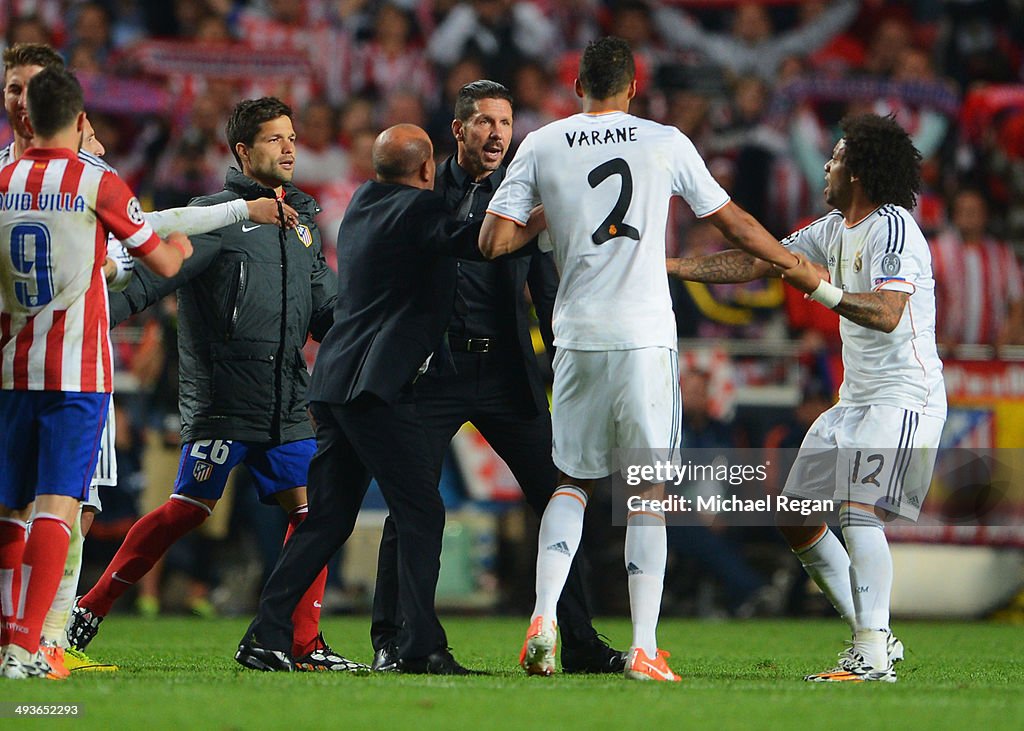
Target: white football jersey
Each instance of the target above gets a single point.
(886, 250)
(605, 181)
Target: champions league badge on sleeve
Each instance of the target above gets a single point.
(305, 235)
(891, 264)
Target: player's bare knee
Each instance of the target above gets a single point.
(88, 517)
(863, 515)
(799, 536)
(584, 485)
(291, 499)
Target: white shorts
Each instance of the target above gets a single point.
(106, 461)
(92, 502)
(604, 401)
(876, 455)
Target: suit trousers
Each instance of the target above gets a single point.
(490, 391)
(354, 441)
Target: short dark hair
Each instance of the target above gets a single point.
(54, 99)
(474, 91)
(882, 156)
(31, 54)
(606, 67)
(247, 116)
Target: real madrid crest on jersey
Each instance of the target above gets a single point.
(305, 235)
(891, 264)
(858, 262)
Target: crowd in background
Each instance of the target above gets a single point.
(758, 86)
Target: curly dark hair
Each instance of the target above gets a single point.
(606, 67)
(881, 155)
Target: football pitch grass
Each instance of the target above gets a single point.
(178, 673)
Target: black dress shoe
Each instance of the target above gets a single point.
(593, 656)
(254, 657)
(439, 662)
(385, 660)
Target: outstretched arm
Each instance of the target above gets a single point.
(193, 220)
(881, 310)
(725, 267)
(500, 236)
(745, 232)
(168, 258)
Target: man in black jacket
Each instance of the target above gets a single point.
(498, 385)
(396, 292)
(246, 305)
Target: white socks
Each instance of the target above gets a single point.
(827, 563)
(57, 617)
(646, 549)
(561, 529)
(857, 580)
(870, 575)
(645, 555)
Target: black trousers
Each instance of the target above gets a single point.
(491, 392)
(355, 441)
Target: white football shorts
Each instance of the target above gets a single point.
(605, 402)
(875, 455)
(106, 462)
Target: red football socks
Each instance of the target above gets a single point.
(306, 617)
(41, 571)
(145, 543)
(12, 549)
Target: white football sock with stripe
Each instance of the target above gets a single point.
(561, 529)
(827, 563)
(57, 617)
(870, 569)
(645, 554)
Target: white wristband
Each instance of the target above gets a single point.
(827, 294)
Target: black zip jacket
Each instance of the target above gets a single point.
(247, 300)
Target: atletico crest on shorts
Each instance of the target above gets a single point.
(305, 235)
(202, 471)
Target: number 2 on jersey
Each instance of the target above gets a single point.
(30, 256)
(613, 225)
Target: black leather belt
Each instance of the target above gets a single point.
(470, 345)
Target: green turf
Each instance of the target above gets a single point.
(179, 674)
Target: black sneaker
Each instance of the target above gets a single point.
(255, 657)
(82, 627)
(324, 658)
(594, 656)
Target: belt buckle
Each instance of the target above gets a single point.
(478, 345)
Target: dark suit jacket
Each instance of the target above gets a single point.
(396, 290)
(536, 270)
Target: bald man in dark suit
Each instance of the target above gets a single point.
(396, 291)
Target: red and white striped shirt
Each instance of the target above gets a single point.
(55, 213)
(974, 286)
